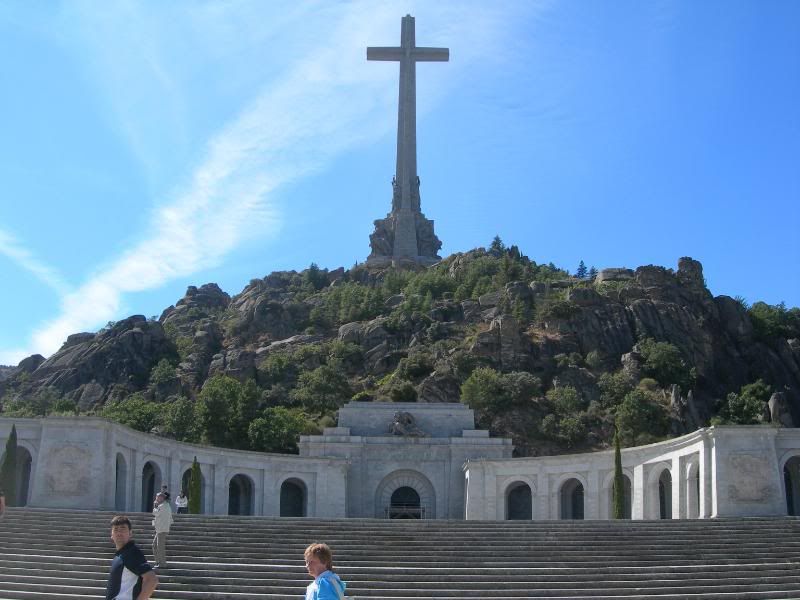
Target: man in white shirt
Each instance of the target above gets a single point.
(162, 520)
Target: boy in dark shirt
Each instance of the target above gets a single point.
(131, 577)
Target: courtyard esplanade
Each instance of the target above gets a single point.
(393, 460)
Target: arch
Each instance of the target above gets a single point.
(151, 482)
(791, 481)
(693, 490)
(665, 495)
(519, 502)
(294, 498)
(571, 499)
(405, 504)
(405, 478)
(187, 474)
(121, 483)
(240, 495)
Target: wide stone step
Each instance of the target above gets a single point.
(61, 555)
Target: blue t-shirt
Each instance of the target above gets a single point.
(322, 587)
(127, 568)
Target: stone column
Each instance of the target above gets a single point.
(678, 488)
(637, 493)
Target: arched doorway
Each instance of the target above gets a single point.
(626, 498)
(519, 502)
(405, 504)
(24, 463)
(386, 502)
(151, 482)
(571, 497)
(185, 479)
(293, 498)
(791, 480)
(240, 495)
(120, 484)
(665, 495)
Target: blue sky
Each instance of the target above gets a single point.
(147, 146)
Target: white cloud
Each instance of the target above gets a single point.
(24, 258)
(330, 100)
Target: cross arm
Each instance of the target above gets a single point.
(431, 54)
(384, 53)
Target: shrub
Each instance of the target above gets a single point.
(162, 372)
(774, 321)
(642, 417)
(135, 412)
(613, 388)
(321, 390)
(664, 362)
(747, 407)
(278, 430)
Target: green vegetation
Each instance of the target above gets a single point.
(194, 491)
(664, 363)
(488, 390)
(8, 468)
(618, 498)
(642, 417)
(748, 407)
(278, 429)
(774, 321)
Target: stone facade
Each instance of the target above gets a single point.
(430, 453)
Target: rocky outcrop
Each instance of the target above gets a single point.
(87, 366)
(504, 345)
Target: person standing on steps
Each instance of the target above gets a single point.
(162, 520)
(131, 576)
(2, 503)
(182, 503)
(326, 584)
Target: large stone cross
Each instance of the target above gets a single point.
(408, 54)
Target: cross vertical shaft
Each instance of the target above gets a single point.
(406, 234)
(407, 54)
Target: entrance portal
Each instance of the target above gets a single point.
(519, 503)
(293, 498)
(572, 500)
(240, 496)
(405, 504)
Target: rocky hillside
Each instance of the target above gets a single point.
(544, 357)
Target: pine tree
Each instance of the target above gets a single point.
(619, 481)
(8, 470)
(195, 481)
(582, 271)
(498, 247)
(592, 273)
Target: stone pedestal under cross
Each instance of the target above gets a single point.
(405, 235)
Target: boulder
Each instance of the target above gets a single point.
(490, 299)
(439, 387)
(518, 291)
(734, 319)
(651, 276)
(504, 344)
(779, 410)
(614, 274)
(31, 363)
(584, 296)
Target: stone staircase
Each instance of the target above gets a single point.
(60, 554)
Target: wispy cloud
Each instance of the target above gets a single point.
(12, 248)
(327, 102)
